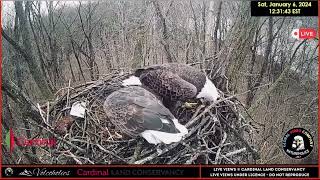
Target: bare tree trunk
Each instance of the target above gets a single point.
(28, 109)
(68, 53)
(105, 48)
(21, 99)
(26, 52)
(277, 83)
(137, 57)
(93, 64)
(76, 55)
(250, 95)
(266, 57)
(204, 33)
(165, 34)
(215, 34)
(53, 45)
(7, 123)
(195, 40)
(88, 36)
(16, 57)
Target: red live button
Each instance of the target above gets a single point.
(304, 33)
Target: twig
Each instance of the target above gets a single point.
(109, 152)
(59, 138)
(137, 151)
(235, 152)
(194, 157)
(220, 146)
(254, 153)
(48, 113)
(215, 103)
(41, 114)
(74, 157)
(68, 94)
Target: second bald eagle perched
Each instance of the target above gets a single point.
(175, 81)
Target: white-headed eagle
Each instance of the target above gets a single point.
(136, 111)
(175, 82)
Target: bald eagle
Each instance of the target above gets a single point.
(298, 143)
(137, 112)
(175, 82)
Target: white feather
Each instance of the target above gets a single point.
(165, 121)
(209, 91)
(183, 130)
(150, 137)
(156, 137)
(132, 80)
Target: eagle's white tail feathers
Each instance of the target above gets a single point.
(150, 137)
(183, 130)
(209, 91)
(131, 81)
(156, 137)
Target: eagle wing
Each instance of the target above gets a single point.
(134, 110)
(168, 84)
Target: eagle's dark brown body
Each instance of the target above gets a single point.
(175, 84)
(172, 81)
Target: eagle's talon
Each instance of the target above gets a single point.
(190, 105)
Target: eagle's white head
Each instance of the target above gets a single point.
(209, 91)
(298, 143)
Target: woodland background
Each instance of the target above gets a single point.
(47, 44)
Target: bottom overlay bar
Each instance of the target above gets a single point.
(262, 172)
(160, 172)
(108, 171)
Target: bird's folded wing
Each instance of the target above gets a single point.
(150, 115)
(168, 84)
(150, 102)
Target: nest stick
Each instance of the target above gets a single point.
(238, 151)
(59, 138)
(220, 146)
(254, 153)
(89, 145)
(68, 94)
(48, 113)
(137, 151)
(41, 114)
(109, 152)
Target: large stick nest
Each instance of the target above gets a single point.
(218, 133)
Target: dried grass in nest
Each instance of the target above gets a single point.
(217, 133)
